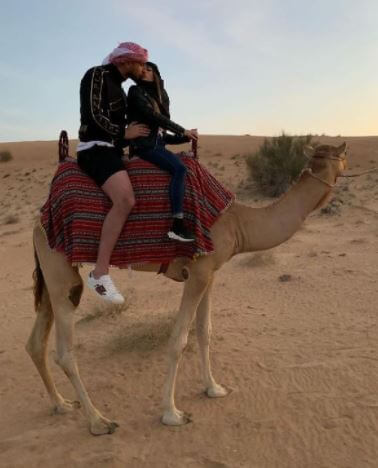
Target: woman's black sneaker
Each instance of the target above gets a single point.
(179, 232)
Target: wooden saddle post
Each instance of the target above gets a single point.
(63, 146)
(194, 149)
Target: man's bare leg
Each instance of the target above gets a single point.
(118, 188)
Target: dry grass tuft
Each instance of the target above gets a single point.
(333, 208)
(285, 278)
(259, 259)
(11, 219)
(108, 311)
(5, 156)
(148, 335)
(90, 317)
(144, 336)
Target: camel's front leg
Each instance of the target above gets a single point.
(212, 389)
(194, 289)
(64, 319)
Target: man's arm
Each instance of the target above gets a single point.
(97, 88)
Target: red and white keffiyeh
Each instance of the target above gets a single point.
(127, 51)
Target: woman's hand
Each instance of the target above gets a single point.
(135, 130)
(192, 134)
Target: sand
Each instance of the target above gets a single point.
(295, 337)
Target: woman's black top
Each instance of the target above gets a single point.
(144, 106)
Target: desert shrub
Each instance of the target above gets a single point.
(5, 156)
(277, 163)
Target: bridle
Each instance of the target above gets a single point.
(308, 170)
(336, 158)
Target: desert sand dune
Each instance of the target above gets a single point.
(295, 336)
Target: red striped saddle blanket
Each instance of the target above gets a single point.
(74, 212)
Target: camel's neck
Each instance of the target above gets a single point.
(264, 228)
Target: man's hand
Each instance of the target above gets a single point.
(192, 134)
(135, 130)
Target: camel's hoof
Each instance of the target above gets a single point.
(65, 406)
(176, 418)
(217, 391)
(103, 426)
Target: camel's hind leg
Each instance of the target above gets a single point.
(37, 349)
(212, 389)
(194, 289)
(64, 287)
(64, 324)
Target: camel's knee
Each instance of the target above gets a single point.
(178, 347)
(66, 361)
(203, 323)
(203, 335)
(34, 349)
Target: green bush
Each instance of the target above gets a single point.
(278, 163)
(5, 156)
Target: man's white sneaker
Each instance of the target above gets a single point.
(105, 288)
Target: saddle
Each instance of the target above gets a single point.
(74, 211)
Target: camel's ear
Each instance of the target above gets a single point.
(308, 151)
(341, 148)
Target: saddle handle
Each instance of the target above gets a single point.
(194, 148)
(63, 146)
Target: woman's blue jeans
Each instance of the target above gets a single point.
(164, 159)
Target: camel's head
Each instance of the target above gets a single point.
(327, 158)
(326, 164)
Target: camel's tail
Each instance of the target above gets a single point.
(39, 282)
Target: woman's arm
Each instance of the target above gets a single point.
(139, 104)
(175, 139)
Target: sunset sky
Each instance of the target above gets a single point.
(230, 67)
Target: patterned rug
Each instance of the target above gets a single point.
(74, 212)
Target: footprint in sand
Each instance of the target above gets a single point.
(332, 423)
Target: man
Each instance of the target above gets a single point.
(102, 138)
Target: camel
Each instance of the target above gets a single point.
(58, 286)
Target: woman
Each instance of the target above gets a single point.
(148, 103)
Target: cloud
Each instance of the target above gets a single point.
(213, 33)
(190, 38)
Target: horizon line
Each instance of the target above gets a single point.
(218, 135)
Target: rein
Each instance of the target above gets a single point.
(360, 174)
(308, 170)
(310, 173)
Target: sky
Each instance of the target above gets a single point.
(230, 67)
